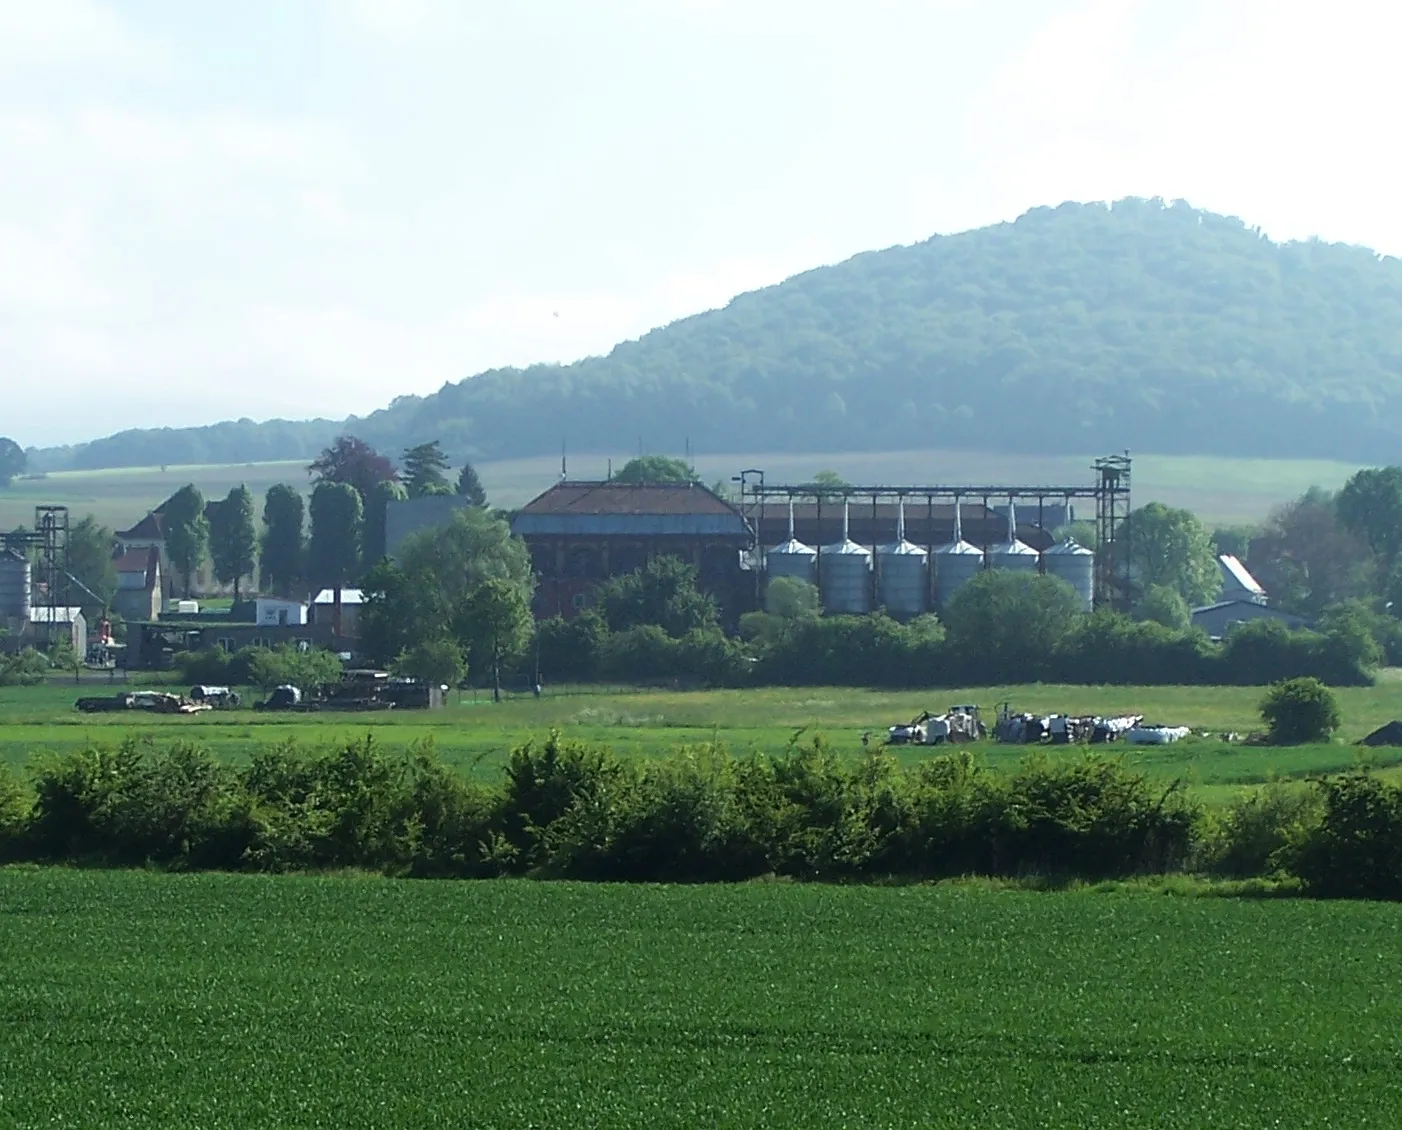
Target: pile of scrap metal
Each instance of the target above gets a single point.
(1015, 728)
(155, 702)
(357, 690)
(957, 724)
(220, 698)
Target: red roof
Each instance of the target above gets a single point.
(152, 527)
(628, 498)
(146, 561)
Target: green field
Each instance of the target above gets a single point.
(142, 1000)
(1220, 489)
(476, 736)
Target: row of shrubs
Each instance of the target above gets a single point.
(567, 810)
(876, 650)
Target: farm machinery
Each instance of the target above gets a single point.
(957, 724)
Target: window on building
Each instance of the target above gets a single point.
(579, 601)
(225, 642)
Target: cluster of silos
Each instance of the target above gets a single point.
(844, 574)
(16, 586)
(905, 574)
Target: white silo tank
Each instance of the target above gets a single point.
(845, 573)
(1074, 564)
(902, 574)
(791, 558)
(16, 585)
(956, 563)
(1012, 554)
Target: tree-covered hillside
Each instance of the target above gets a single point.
(1080, 328)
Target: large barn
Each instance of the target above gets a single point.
(581, 533)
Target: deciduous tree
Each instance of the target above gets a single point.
(654, 469)
(334, 552)
(233, 539)
(1172, 548)
(12, 461)
(352, 461)
(186, 532)
(663, 593)
(284, 544)
(90, 562)
(377, 519)
(496, 623)
(1369, 506)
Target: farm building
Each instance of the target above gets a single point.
(49, 626)
(1237, 581)
(581, 533)
(138, 595)
(323, 611)
(271, 612)
(1216, 619)
(150, 533)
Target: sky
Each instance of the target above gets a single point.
(293, 208)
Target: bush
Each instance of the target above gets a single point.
(1300, 710)
(26, 669)
(1256, 834)
(15, 805)
(1356, 849)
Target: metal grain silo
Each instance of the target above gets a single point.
(956, 563)
(845, 572)
(1012, 554)
(791, 558)
(902, 574)
(1074, 564)
(16, 585)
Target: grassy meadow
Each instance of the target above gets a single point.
(476, 736)
(1219, 489)
(137, 999)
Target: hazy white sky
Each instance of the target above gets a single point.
(308, 207)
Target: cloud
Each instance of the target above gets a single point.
(42, 33)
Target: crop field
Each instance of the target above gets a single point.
(1220, 489)
(135, 1000)
(476, 736)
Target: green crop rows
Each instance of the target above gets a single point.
(143, 1000)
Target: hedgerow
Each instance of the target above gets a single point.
(572, 810)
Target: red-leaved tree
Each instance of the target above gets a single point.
(354, 462)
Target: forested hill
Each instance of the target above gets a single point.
(1074, 329)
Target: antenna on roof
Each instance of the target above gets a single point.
(610, 478)
(564, 462)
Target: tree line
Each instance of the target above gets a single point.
(329, 540)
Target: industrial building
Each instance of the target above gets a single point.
(581, 533)
(36, 596)
(904, 549)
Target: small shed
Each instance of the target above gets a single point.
(48, 626)
(271, 612)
